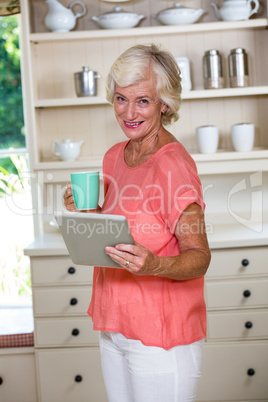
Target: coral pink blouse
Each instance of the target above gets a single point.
(157, 311)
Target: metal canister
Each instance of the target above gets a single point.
(212, 70)
(238, 68)
(86, 82)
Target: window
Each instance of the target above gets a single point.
(16, 224)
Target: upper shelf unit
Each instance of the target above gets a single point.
(147, 31)
(196, 94)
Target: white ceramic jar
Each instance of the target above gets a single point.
(243, 136)
(207, 139)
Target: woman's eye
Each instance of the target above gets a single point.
(144, 102)
(120, 99)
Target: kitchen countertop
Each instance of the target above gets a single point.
(221, 236)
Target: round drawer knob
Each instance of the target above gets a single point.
(251, 371)
(73, 301)
(75, 332)
(78, 378)
(245, 262)
(248, 324)
(1, 380)
(246, 293)
(71, 270)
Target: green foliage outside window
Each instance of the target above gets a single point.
(12, 133)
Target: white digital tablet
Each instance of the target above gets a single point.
(87, 234)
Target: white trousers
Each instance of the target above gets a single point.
(134, 372)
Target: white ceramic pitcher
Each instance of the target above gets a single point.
(60, 18)
(236, 10)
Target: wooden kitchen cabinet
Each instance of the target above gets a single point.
(66, 346)
(17, 375)
(235, 356)
(53, 111)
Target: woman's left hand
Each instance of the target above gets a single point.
(134, 258)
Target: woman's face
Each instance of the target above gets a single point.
(138, 109)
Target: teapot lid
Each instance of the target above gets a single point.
(67, 141)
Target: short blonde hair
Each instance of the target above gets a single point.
(132, 66)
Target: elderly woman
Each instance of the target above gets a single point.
(151, 313)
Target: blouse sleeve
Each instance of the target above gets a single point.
(184, 188)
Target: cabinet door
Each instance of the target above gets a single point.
(59, 270)
(61, 300)
(73, 331)
(17, 373)
(70, 375)
(237, 262)
(234, 371)
(236, 293)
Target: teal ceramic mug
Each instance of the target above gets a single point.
(85, 187)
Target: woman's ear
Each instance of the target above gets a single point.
(163, 108)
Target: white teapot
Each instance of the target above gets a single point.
(60, 18)
(66, 150)
(236, 10)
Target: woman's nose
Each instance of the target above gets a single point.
(131, 111)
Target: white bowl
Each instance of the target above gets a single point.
(118, 19)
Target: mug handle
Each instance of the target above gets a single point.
(255, 9)
(53, 148)
(77, 15)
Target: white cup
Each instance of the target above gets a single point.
(243, 136)
(207, 139)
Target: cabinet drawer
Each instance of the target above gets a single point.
(225, 374)
(61, 300)
(59, 371)
(226, 294)
(247, 324)
(73, 331)
(17, 371)
(239, 261)
(55, 270)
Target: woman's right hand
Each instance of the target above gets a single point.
(69, 199)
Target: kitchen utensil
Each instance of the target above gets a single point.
(66, 150)
(118, 18)
(207, 139)
(86, 82)
(179, 15)
(60, 18)
(236, 10)
(238, 68)
(212, 70)
(243, 136)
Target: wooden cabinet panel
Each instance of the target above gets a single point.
(59, 270)
(237, 293)
(71, 331)
(238, 262)
(58, 371)
(225, 372)
(238, 325)
(17, 371)
(61, 300)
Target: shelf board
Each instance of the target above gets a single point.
(152, 30)
(60, 102)
(218, 163)
(195, 94)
